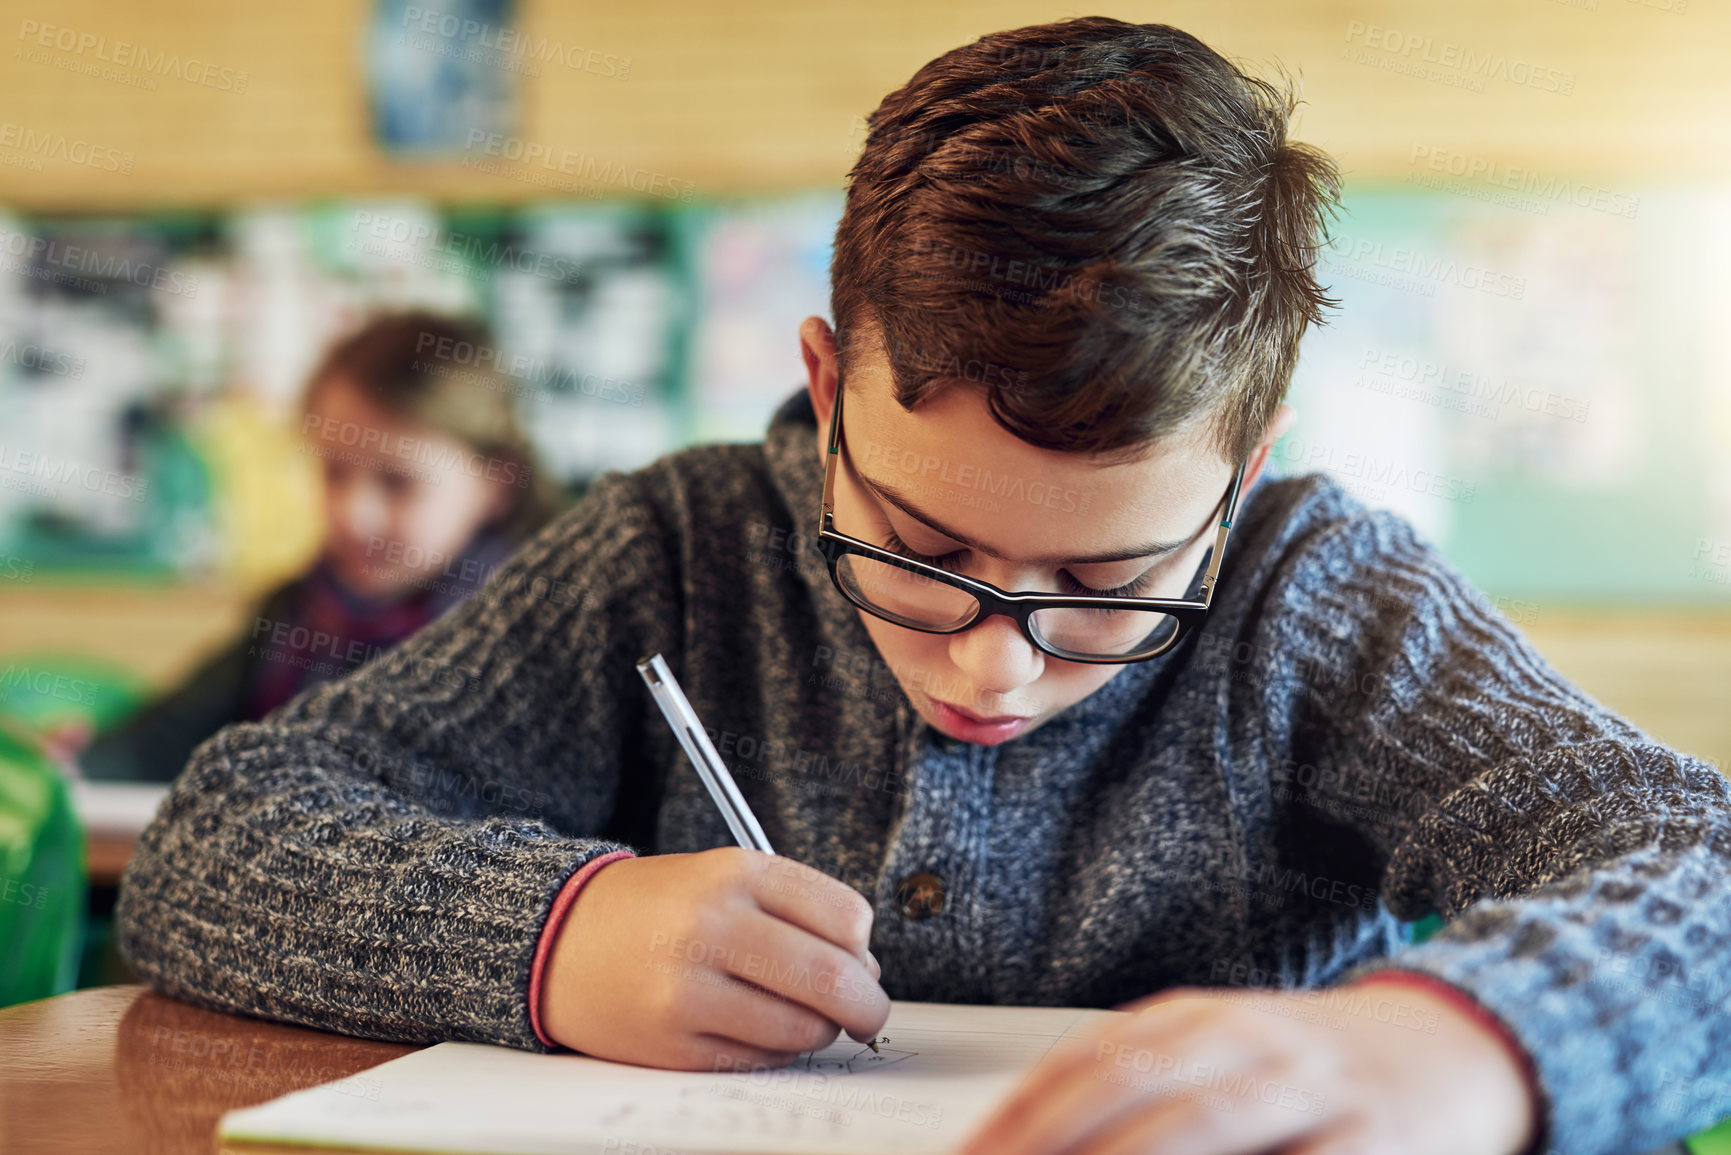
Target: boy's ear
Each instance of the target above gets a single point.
(1282, 421)
(817, 349)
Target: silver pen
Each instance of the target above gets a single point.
(686, 727)
(676, 708)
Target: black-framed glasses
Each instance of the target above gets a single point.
(1074, 627)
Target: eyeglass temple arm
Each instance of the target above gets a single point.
(1219, 551)
(828, 506)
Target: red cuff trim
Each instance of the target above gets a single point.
(550, 931)
(1471, 1007)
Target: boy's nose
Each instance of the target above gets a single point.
(995, 655)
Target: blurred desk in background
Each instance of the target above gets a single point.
(113, 815)
(158, 631)
(1667, 671)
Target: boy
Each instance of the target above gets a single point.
(1069, 286)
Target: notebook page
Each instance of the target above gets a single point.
(939, 1071)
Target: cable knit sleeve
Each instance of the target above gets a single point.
(1583, 867)
(380, 856)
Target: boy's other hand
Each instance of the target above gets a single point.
(721, 959)
(1199, 1071)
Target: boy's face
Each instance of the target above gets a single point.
(947, 481)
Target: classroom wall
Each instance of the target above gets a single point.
(756, 95)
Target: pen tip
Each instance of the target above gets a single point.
(873, 1045)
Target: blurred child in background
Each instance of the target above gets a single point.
(429, 484)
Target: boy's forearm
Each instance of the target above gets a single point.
(1611, 977)
(1558, 837)
(379, 857)
(1503, 1051)
(544, 1016)
(259, 899)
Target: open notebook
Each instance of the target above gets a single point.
(939, 1071)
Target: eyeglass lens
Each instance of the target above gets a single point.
(921, 602)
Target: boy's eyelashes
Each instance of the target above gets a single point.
(1131, 589)
(896, 545)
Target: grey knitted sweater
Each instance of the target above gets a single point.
(1355, 738)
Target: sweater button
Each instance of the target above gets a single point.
(920, 895)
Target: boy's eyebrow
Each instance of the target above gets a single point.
(900, 500)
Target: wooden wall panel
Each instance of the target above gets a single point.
(758, 95)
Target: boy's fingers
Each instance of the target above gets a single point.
(807, 969)
(755, 1018)
(721, 1053)
(1099, 1064)
(813, 901)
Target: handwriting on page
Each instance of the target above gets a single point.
(725, 1112)
(863, 1059)
(798, 1101)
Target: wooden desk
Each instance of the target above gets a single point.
(123, 1069)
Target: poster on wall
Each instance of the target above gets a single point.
(105, 342)
(437, 75)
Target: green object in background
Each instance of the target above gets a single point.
(42, 879)
(173, 529)
(45, 690)
(1425, 927)
(1713, 1141)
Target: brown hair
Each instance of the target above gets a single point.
(1101, 223)
(435, 370)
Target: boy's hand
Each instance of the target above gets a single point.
(726, 957)
(1200, 1072)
